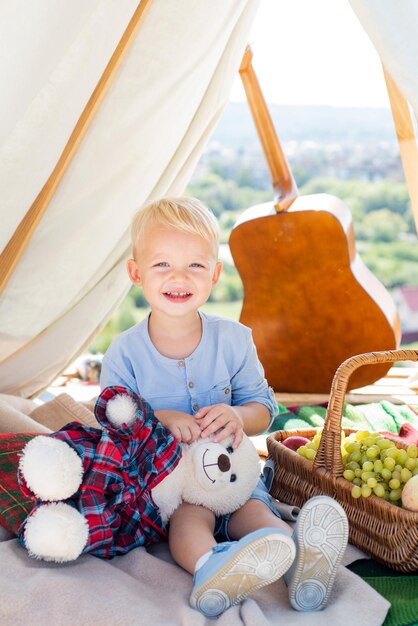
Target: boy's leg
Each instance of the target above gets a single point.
(227, 572)
(191, 534)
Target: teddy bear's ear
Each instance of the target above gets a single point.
(121, 409)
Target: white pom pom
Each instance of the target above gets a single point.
(56, 532)
(51, 468)
(121, 409)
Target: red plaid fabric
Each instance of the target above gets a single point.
(14, 506)
(121, 466)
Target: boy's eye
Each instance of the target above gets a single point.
(196, 265)
(161, 264)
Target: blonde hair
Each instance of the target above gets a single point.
(185, 214)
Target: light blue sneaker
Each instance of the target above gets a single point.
(236, 568)
(321, 535)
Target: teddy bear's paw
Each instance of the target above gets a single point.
(51, 468)
(56, 532)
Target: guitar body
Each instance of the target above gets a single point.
(308, 297)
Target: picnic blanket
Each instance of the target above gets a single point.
(145, 586)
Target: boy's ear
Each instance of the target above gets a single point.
(133, 271)
(216, 273)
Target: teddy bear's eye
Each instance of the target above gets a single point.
(233, 478)
(230, 449)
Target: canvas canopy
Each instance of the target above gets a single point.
(143, 141)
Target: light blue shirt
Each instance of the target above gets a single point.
(224, 368)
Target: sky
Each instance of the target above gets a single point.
(314, 52)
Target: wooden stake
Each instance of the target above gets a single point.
(13, 251)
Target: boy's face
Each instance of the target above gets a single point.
(176, 270)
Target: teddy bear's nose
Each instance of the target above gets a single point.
(224, 463)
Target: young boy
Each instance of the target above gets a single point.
(201, 375)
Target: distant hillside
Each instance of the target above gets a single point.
(311, 123)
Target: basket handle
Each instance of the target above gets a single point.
(328, 457)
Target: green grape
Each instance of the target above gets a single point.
(398, 467)
(412, 451)
(372, 452)
(396, 474)
(378, 466)
(405, 475)
(310, 454)
(392, 453)
(356, 491)
(379, 490)
(349, 475)
(389, 462)
(402, 456)
(362, 434)
(384, 444)
(368, 466)
(364, 459)
(395, 494)
(410, 463)
(355, 456)
(371, 482)
(366, 491)
(415, 471)
(366, 475)
(394, 483)
(357, 481)
(351, 447)
(353, 465)
(358, 472)
(386, 473)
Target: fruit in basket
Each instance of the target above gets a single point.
(410, 494)
(294, 442)
(375, 466)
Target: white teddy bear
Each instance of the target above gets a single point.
(106, 491)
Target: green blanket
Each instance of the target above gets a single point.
(375, 416)
(400, 589)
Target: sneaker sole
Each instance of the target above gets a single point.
(257, 564)
(321, 536)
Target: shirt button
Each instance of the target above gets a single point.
(191, 384)
(195, 407)
(227, 390)
(181, 363)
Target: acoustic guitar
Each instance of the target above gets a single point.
(309, 299)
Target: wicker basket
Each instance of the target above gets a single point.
(383, 530)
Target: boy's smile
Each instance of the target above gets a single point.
(176, 270)
(176, 296)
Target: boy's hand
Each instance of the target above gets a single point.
(183, 426)
(223, 418)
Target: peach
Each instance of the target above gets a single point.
(410, 494)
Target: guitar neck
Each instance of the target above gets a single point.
(284, 186)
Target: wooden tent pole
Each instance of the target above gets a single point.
(405, 132)
(13, 251)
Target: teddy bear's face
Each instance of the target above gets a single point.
(219, 477)
(213, 464)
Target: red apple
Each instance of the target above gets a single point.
(295, 441)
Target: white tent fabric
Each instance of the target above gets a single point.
(393, 30)
(143, 143)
